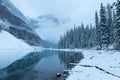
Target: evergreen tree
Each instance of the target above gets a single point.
(71, 38)
(98, 31)
(92, 36)
(79, 37)
(82, 36)
(109, 23)
(104, 28)
(118, 25)
(114, 21)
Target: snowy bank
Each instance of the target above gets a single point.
(8, 41)
(66, 50)
(97, 65)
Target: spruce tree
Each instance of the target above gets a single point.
(82, 36)
(109, 23)
(114, 21)
(118, 25)
(104, 28)
(98, 31)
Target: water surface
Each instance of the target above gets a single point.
(37, 65)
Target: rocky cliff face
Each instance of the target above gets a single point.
(16, 23)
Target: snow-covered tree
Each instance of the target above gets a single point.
(114, 21)
(104, 28)
(98, 30)
(110, 23)
(118, 25)
(92, 36)
(79, 37)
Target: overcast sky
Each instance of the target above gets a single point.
(78, 10)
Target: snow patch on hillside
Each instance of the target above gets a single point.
(8, 41)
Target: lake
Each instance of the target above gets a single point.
(43, 65)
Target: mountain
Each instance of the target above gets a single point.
(14, 22)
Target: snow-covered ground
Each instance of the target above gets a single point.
(8, 41)
(97, 65)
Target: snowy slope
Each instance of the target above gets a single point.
(8, 41)
(102, 65)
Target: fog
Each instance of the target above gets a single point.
(77, 10)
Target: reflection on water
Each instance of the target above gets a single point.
(9, 56)
(40, 66)
(70, 57)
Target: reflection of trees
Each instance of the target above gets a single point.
(18, 69)
(70, 57)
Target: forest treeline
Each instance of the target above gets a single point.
(104, 33)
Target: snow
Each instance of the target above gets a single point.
(107, 60)
(8, 41)
(64, 50)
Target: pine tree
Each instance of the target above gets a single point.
(92, 36)
(74, 37)
(82, 36)
(98, 31)
(79, 37)
(114, 21)
(71, 38)
(118, 25)
(104, 28)
(109, 23)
